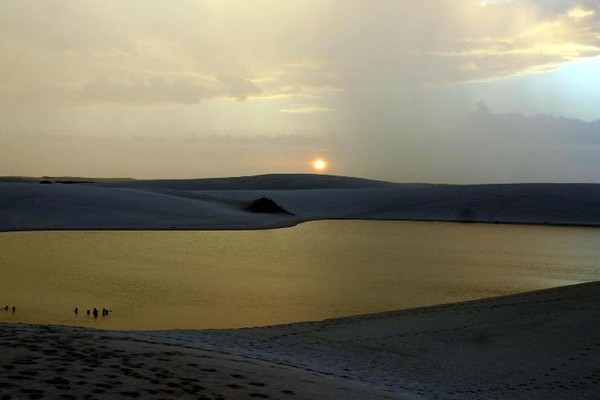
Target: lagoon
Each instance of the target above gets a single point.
(314, 271)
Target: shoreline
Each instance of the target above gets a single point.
(297, 223)
(541, 344)
(337, 320)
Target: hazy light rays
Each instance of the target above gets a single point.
(381, 87)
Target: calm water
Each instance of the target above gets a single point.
(155, 280)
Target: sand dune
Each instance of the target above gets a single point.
(537, 345)
(48, 362)
(218, 204)
(258, 182)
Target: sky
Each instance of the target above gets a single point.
(439, 91)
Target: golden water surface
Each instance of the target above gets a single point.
(317, 270)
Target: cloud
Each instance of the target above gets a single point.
(239, 88)
(540, 130)
(578, 13)
(158, 90)
(308, 48)
(303, 109)
(548, 36)
(470, 66)
(151, 91)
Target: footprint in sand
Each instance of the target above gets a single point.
(234, 386)
(131, 394)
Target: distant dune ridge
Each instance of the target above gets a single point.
(219, 203)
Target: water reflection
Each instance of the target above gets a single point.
(161, 280)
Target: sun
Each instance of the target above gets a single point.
(319, 165)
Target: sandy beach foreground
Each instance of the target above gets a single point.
(542, 344)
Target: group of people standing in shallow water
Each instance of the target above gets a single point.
(94, 312)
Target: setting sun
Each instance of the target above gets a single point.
(319, 165)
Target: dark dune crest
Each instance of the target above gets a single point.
(260, 182)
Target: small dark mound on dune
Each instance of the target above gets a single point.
(266, 206)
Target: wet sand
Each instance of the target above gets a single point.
(536, 345)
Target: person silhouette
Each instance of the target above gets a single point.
(14, 309)
(95, 312)
(76, 311)
(88, 312)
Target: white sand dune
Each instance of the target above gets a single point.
(29, 206)
(537, 345)
(51, 362)
(217, 204)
